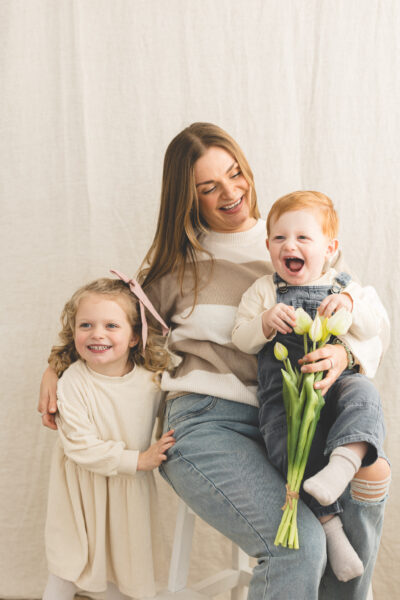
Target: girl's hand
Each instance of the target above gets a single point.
(330, 358)
(48, 398)
(156, 454)
(333, 303)
(280, 317)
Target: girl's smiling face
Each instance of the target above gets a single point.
(298, 246)
(223, 192)
(103, 335)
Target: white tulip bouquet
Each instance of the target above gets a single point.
(303, 406)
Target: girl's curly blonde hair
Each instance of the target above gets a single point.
(155, 357)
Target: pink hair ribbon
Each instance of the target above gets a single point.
(144, 302)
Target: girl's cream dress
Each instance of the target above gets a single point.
(101, 518)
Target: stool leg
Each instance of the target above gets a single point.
(180, 559)
(240, 562)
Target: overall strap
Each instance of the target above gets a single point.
(341, 280)
(281, 285)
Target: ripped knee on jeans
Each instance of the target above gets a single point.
(371, 484)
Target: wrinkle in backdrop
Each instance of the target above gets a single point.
(92, 92)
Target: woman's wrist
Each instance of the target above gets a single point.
(350, 357)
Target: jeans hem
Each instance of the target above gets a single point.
(324, 511)
(350, 439)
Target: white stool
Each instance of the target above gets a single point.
(235, 579)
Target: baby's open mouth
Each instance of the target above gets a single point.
(294, 264)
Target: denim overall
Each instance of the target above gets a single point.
(352, 412)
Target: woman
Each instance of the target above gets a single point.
(208, 248)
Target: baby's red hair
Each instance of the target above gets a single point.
(307, 200)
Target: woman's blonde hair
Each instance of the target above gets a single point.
(155, 356)
(176, 243)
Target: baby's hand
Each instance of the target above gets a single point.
(156, 454)
(280, 317)
(333, 302)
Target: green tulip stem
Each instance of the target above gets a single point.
(305, 341)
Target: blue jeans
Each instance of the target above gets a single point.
(219, 467)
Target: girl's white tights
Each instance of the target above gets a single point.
(61, 589)
(113, 593)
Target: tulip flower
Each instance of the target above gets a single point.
(315, 331)
(303, 324)
(339, 322)
(303, 321)
(280, 351)
(325, 333)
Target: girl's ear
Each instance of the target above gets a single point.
(331, 248)
(267, 243)
(134, 340)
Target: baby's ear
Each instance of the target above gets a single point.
(332, 248)
(267, 243)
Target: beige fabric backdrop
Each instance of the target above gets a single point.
(91, 93)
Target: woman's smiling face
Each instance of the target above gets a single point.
(298, 246)
(223, 192)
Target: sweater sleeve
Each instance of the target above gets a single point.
(80, 438)
(247, 332)
(369, 316)
(369, 334)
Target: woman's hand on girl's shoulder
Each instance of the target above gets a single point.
(48, 398)
(153, 457)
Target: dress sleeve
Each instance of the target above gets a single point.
(369, 334)
(80, 438)
(247, 332)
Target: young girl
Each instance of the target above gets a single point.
(100, 529)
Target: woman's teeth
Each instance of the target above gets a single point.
(233, 205)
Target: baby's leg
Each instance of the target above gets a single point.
(329, 483)
(59, 589)
(344, 560)
(371, 485)
(355, 437)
